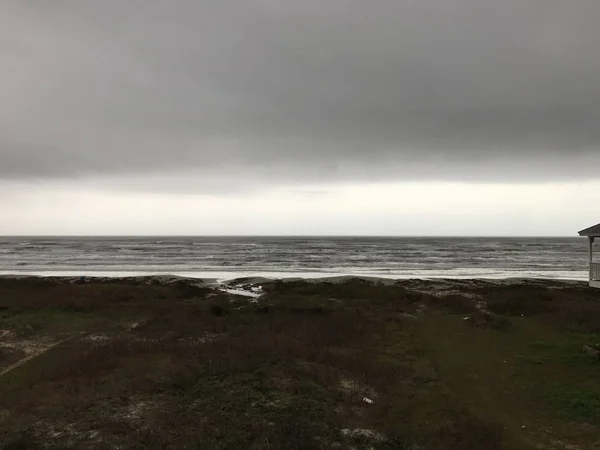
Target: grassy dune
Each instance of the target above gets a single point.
(151, 364)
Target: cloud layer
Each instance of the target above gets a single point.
(269, 91)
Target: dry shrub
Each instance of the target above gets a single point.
(483, 319)
(455, 303)
(467, 432)
(9, 355)
(191, 291)
(354, 292)
(519, 300)
(579, 316)
(21, 441)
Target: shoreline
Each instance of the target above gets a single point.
(227, 276)
(247, 282)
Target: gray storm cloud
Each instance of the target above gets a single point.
(312, 90)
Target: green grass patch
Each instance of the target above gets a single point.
(568, 351)
(575, 402)
(37, 314)
(39, 318)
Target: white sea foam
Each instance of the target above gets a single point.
(222, 277)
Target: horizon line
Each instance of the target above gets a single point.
(276, 236)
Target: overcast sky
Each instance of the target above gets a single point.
(463, 117)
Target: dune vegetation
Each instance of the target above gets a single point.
(155, 363)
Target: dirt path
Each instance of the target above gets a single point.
(34, 354)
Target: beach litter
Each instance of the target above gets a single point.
(362, 433)
(593, 351)
(7, 334)
(253, 292)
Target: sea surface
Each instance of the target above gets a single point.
(232, 257)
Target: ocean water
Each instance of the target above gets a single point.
(231, 257)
